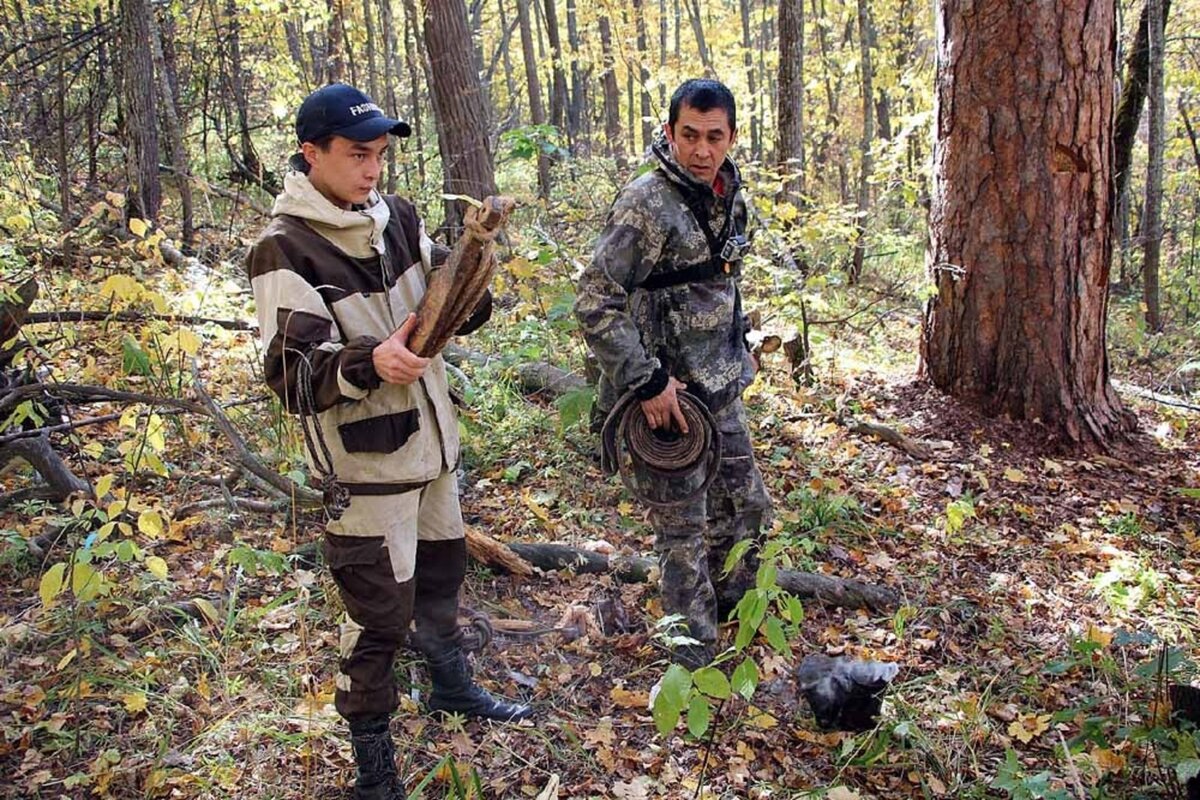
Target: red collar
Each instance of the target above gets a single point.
(718, 186)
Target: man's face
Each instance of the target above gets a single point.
(700, 140)
(346, 172)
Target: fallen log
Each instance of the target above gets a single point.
(827, 589)
(533, 377)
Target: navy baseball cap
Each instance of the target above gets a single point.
(341, 110)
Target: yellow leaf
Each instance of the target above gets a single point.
(157, 567)
(202, 687)
(1107, 760)
(104, 485)
(1028, 727)
(156, 433)
(18, 223)
(67, 659)
(121, 287)
(534, 506)
(595, 670)
(115, 199)
(116, 507)
(52, 583)
(135, 702)
(761, 719)
(151, 524)
(624, 508)
(1014, 475)
(138, 227)
(623, 698)
(1100, 637)
(207, 609)
(189, 342)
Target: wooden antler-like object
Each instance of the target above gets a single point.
(458, 286)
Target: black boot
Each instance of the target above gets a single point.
(375, 755)
(455, 691)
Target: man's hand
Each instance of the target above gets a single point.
(393, 361)
(664, 410)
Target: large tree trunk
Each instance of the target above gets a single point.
(141, 118)
(459, 105)
(537, 111)
(1021, 214)
(1152, 222)
(789, 148)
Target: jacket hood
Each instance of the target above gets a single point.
(664, 160)
(358, 230)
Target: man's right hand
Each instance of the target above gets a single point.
(663, 411)
(393, 361)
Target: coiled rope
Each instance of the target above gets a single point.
(661, 468)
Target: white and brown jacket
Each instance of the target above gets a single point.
(329, 285)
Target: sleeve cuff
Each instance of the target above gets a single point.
(357, 372)
(653, 387)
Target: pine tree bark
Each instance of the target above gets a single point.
(141, 116)
(1021, 214)
(1152, 221)
(789, 148)
(458, 105)
(537, 111)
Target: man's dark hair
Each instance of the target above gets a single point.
(703, 94)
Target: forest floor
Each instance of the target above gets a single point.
(1036, 586)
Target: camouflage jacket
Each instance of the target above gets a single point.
(693, 331)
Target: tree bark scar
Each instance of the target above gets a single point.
(1067, 160)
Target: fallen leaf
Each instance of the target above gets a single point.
(1028, 727)
(1014, 475)
(623, 698)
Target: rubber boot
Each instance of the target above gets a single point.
(441, 566)
(375, 756)
(455, 691)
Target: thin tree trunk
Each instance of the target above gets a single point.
(639, 16)
(789, 149)
(141, 122)
(291, 33)
(865, 36)
(509, 84)
(335, 58)
(536, 111)
(662, 53)
(698, 30)
(251, 165)
(558, 93)
(459, 107)
(1191, 132)
(1152, 222)
(372, 73)
(174, 131)
(391, 76)
(748, 62)
(578, 78)
(64, 174)
(413, 51)
(612, 95)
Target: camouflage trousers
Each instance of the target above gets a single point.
(693, 540)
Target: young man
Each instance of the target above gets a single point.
(336, 275)
(660, 308)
